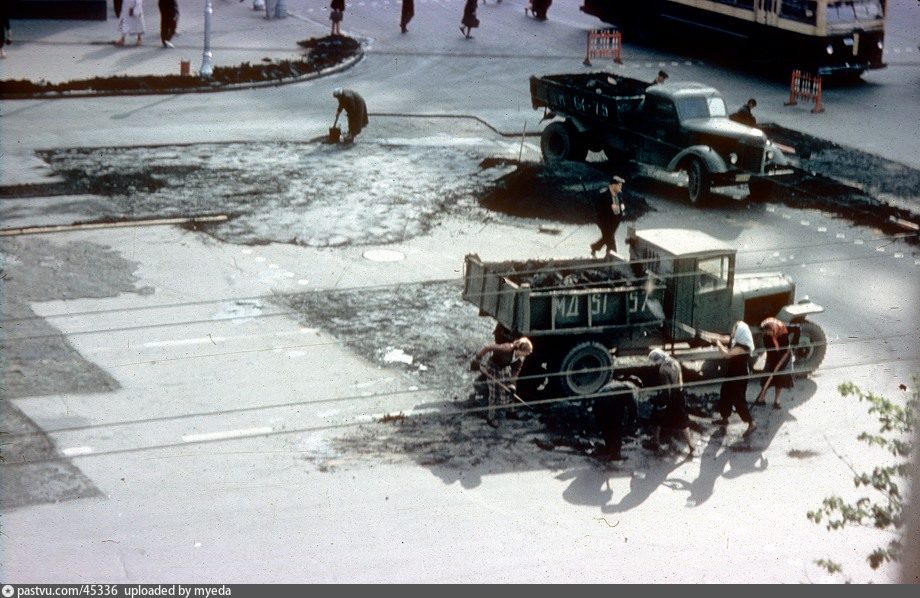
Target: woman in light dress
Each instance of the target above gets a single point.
(131, 21)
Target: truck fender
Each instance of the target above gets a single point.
(779, 158)
(578, 124)
(710, 158)
(797, 312)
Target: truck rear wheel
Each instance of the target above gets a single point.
(584, 369)
(809, 353)
(698, 180)
(560, 141)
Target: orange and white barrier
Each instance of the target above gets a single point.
(603, 43)
(806, 87)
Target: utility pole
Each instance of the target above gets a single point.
(207, 69)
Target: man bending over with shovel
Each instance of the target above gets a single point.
(356, 110)
(501, 370)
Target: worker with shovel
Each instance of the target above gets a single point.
(356, 110)
(779, 360)
(501, 370)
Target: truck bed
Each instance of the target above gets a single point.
(542, 297)
(598, 96)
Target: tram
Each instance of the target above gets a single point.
(825, 37)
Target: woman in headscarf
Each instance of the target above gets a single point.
(779, 360)
(501, 369)
(733, 393)
(671, 410)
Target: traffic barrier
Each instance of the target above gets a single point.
(603, 43)
(806, 87)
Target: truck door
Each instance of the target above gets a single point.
(712, 294)
(659, 125)
(681, 304)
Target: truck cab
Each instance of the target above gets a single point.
(704, 294)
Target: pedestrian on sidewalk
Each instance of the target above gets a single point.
(779, 361)
(609, 210)
(408, 11)
(257, 4)
(670, 411)
(6, 33)
(169, 21)
(131, 21)
(356, 110)
(539, 8)
(733, 393)
(501, 370)
(336, 16)
(273, 9)
(469, 20)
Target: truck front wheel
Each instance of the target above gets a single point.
(560, 141)
(810, 350)
(698, 180)
(584, 369)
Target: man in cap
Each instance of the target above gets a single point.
(745, 114)
(609, 211)
(356, 110)
(659, 79)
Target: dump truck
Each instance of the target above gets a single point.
(678, 127)
(677, 289)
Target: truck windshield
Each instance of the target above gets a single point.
(700, 107)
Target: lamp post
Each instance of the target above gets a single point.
(207, 69)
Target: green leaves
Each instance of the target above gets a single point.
(884, 509)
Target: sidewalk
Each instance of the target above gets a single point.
(63, 50)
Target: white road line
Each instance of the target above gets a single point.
(227, 434)
(76, 451)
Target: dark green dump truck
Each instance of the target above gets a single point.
(677, 127)
(677, 286)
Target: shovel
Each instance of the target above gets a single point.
(335, 133)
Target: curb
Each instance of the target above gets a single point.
(205, 87)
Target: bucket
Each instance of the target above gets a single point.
(185, 67)
(335, 134)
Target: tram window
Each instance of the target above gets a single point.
(858, 10)
(799, 10)
(740, 3)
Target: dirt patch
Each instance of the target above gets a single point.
(38, 358)
(856, 185)
(301, 193)
(441, 333)
(561, 191)
(322, 53)
(23, 483)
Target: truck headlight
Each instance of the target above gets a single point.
(769, 154)
(733, 158)
(830, 49)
